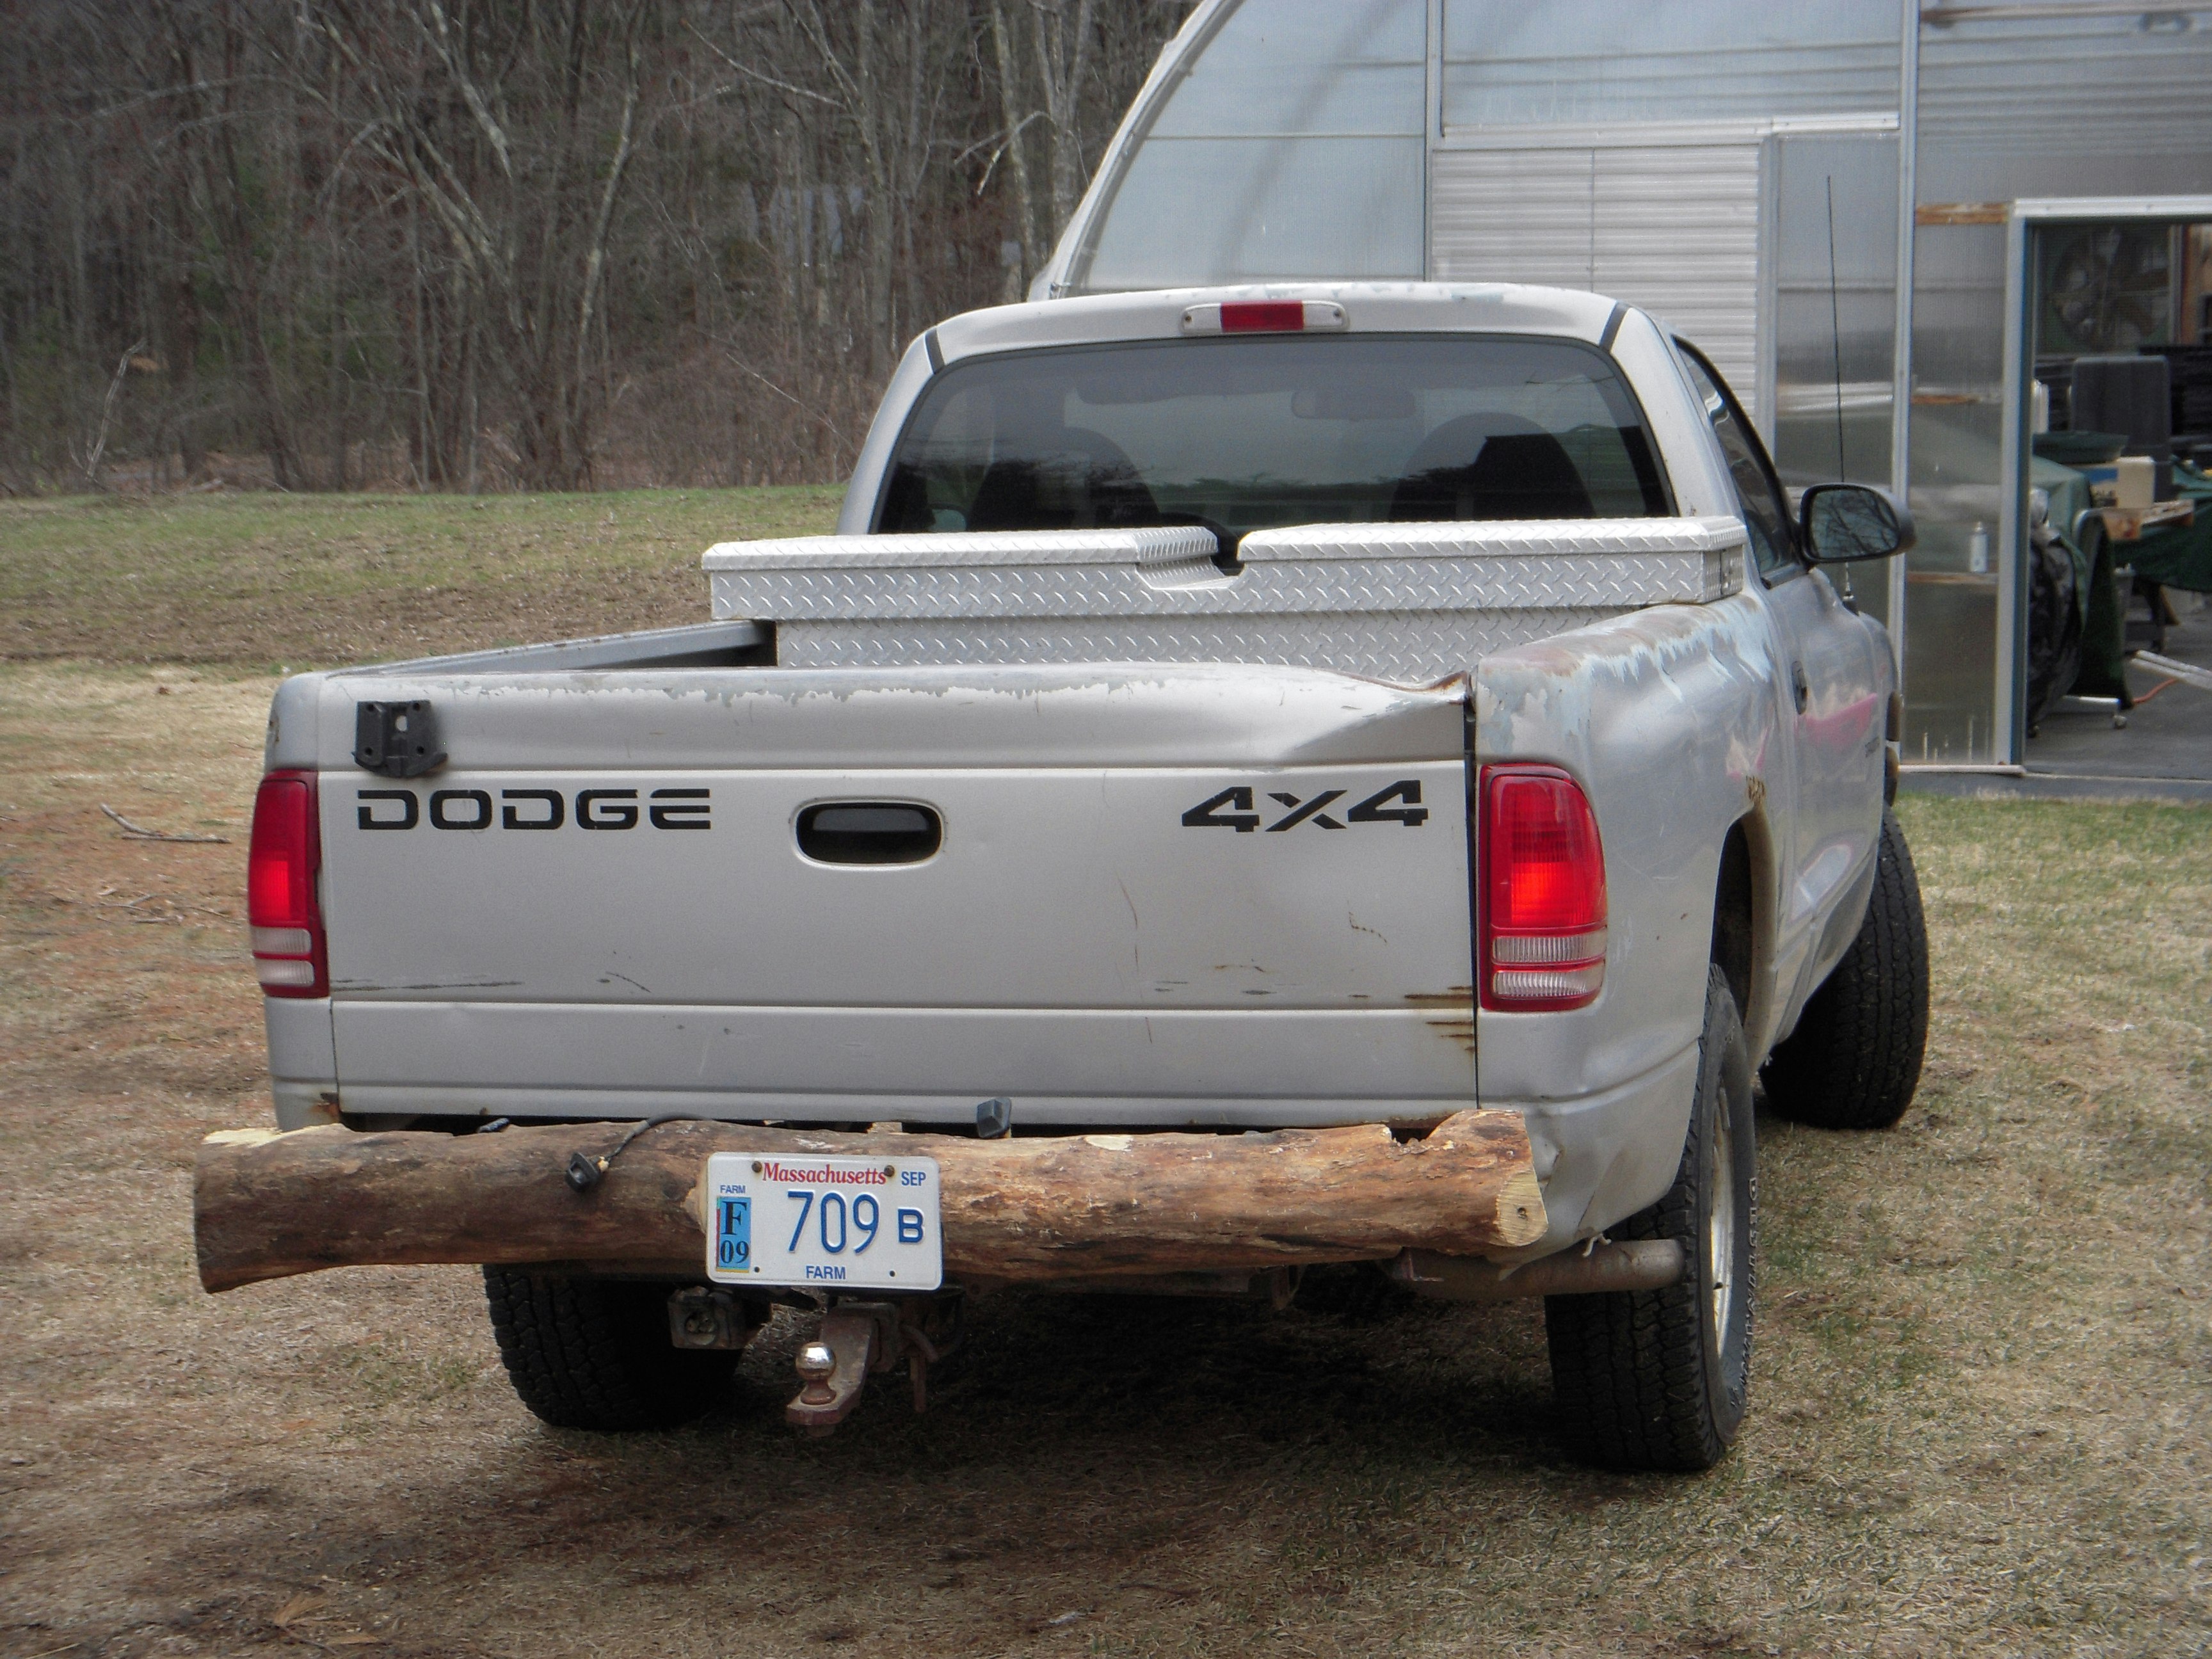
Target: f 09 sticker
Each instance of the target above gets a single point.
(533, 809)
(1234, 808)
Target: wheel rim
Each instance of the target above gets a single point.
(1721, 1219)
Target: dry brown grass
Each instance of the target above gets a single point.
(265, 581)
(1978, 1427)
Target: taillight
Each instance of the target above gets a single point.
(280, 911)
(1262, 316)
(1543, 892)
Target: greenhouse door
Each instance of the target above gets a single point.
(2084, 275)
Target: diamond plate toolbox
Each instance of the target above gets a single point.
(1395, 600)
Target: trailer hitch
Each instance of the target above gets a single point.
(859, 1339)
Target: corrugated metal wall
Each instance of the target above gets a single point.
(1513, 215)
(1671, 226)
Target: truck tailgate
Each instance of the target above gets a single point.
(1161, 894)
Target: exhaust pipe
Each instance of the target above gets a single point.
(1601, 1267)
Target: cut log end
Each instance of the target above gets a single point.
(1522, 1219)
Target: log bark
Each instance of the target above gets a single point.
(1034, 1207)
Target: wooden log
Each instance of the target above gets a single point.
(1028, 1208)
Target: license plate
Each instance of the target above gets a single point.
(824, 1223)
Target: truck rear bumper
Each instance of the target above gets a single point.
(1028, 1209)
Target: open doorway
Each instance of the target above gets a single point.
(2109, 509)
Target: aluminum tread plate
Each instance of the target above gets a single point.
(1161, 545)
(1401, 601)
(1614, 581)
(1406, 647)
(1514, 539)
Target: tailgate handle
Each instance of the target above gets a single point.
(870, 832)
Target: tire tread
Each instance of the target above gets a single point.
(1854, 1060)
(1629, 1369)
(588, 1354)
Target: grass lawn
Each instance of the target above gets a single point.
(1982, 1399)
(269, 581)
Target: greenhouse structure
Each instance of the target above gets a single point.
(1885, 223)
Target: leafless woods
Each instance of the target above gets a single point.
(488, 243)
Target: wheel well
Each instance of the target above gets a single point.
(1734, 937)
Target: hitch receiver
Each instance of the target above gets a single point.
(860, 1339)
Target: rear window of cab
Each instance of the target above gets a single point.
(1248, 432)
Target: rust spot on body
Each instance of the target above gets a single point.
(1460, 1001)
(1459, 996)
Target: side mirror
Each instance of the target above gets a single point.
(1840, 523)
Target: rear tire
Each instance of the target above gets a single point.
(587, 1353)
(1854, 1060)
(1657, 1379)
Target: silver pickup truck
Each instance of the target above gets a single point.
(1224, 722)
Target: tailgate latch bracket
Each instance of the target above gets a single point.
(395, 739)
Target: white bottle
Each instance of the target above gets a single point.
(1977, 551)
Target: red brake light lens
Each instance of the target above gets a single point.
(281, 866)
(1262, 316)
(1543, 892)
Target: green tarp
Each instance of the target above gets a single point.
(2179, 556)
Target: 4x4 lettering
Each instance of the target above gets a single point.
(1311, 809)
(607, 808)
(1398, 803)
(411, 810)
(1412, 814)
(1208, 814)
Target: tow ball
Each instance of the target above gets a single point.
(859, 1339)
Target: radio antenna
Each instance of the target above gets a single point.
(1835, 328)
(1836, 348)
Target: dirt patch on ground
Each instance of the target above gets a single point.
(1978, 1424)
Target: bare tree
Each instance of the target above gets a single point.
(516, 243)
(1063, 47)
(514, 132)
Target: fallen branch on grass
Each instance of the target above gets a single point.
(140, 832)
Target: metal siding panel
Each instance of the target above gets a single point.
(1510, 216)
(1677, 232)
(2030, 100)
(1671, 228)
